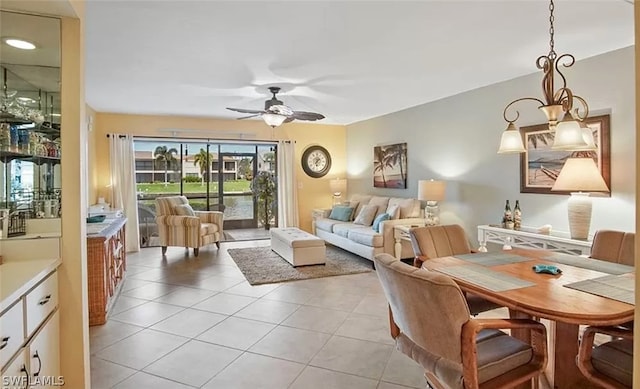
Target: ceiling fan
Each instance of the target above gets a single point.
(275, 112)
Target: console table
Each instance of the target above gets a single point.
(528, 237)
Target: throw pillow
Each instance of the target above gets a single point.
(379, 219)
(183, 210)
(353, 204)
(394, 211)
(366, 215)
(342, 213)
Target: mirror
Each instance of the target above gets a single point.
(30, 154)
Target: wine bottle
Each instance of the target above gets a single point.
(517, 216)
(507, 219)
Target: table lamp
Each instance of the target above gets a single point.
(580, 176)
(431, 191)
(338, 187)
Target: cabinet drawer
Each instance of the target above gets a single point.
(41, 301)
(16, 375)
(11, 332)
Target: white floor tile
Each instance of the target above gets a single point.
(189, 323)
(291, 344)
(237, 333)
(141, 348)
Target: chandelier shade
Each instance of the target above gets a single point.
(555, 103)
(511, 141)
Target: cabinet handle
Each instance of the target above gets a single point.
(4, 342)
(39, 363)
(24, 370)
(44, 300)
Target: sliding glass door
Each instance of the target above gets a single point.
(213, 176)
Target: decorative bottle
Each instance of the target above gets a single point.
(517, 216)
(507, 218)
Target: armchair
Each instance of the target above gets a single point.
(180, 225)
(609, 365)
(430, 323)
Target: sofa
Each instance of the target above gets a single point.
(362, 239)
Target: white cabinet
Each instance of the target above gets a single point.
(29, 336)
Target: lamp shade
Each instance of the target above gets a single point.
(569, 136)
(431, 190)
(580, 174)
(272, 119)
(338, 186)
(511, 141)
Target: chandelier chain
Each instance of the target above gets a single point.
(552, 52)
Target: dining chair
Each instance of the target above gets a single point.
(610, 364)
(443, 241)
(614, 246)
(431, 323)
(180, 225)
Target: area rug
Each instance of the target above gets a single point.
(261, 265)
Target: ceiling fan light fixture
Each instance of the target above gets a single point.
(273, 119)
(19, 43)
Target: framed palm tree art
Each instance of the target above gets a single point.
(540, 165)
(390, 166)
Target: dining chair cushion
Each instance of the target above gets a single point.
(615, 359)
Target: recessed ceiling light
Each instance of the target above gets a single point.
(19, 44)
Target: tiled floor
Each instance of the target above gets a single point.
(186, 322)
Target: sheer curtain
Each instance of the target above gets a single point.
(287, 191)
(123, 185)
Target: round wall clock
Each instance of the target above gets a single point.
(316, 161)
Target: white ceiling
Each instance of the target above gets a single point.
(349, 60)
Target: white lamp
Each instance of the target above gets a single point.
(338, 186)
(273, 119)
(580, 175)
(569, 135)
(431, 191)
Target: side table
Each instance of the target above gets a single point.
(400, 233)
(318, 213)
(528, 237)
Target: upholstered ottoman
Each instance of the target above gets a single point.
(299, 248)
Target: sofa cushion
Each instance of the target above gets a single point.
(344, 228)
(327, 224)
(208, 229)
(408, 207)
(366, 215)
(381, 202)
(342, 213)
(183, 210)
(366, 236)
(362, 201)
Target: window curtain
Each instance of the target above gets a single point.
(123, 185)
(287, 191)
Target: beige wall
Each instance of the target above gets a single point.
(74, 330)
(312, 193)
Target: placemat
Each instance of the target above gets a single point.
(615, 287)
(589, 263)
(493, 259)
(486, 278)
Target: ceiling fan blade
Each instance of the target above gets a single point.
(242, 110)
(289, 119)
(248, 117)
(302, 115)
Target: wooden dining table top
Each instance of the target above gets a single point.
(548, 298)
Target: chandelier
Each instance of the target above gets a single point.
(561, 107)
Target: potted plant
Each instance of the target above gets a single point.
(263, 187)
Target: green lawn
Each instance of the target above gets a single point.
(193, 187)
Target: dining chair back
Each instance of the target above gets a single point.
(614, 246)
(430, 323)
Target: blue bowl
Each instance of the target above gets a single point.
(96, 219)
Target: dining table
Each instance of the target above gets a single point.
(586, 292)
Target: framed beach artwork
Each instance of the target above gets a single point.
(540, 165)
(390, 166)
